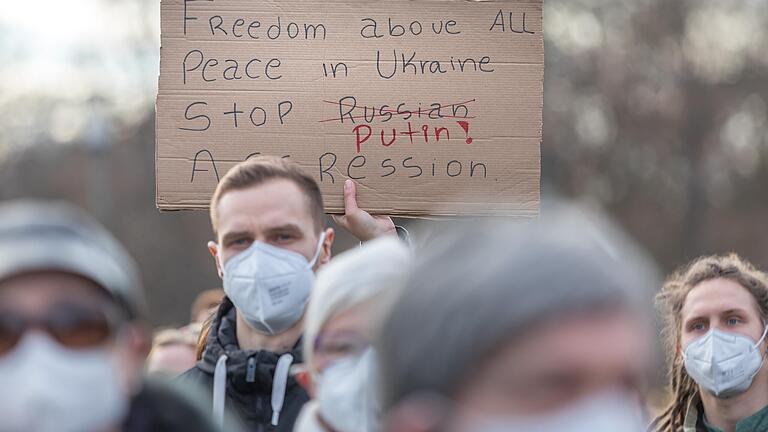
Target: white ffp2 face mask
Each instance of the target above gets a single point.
(610, 412)
(348, 394)
(270, 286)
(724, 363)
(45, 387)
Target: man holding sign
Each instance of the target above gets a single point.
(268, 218)
(435, 107)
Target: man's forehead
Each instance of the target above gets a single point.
(268, 205)
(581, 337)
(716, 296)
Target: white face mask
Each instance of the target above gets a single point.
(611, 412)
(270, 286)
(348, 394)
(724, 363)
(45, 387)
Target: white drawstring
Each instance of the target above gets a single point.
(279, 384)
(219, 390)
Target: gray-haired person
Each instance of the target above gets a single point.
(536, 327)
(72, 338)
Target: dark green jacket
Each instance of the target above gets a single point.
(695, 422)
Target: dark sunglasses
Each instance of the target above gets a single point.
(72, 326)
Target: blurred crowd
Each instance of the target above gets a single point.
(481, 326)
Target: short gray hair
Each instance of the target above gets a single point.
(477, 289)
(376, 268)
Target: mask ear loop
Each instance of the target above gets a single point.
(220, 267)
(762, 338)
(763, 354)
(319, 249)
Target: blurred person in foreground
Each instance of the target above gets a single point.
(267, 216)
(715, 312)
(72, 339)
(343, 315)
(205, 305)
(173, 351)
(536, 327)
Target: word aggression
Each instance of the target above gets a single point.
(408, 167)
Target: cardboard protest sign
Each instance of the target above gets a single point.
(433, 106)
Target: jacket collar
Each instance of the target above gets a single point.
(247, 368)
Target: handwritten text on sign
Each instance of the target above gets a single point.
(433, 106)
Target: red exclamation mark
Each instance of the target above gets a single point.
(465, 125)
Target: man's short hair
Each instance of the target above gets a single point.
(261, 169)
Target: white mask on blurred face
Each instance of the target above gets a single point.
(610, 412)
(269, 285)
(45, 387)
(348, 393)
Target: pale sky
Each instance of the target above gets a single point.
(72, 50)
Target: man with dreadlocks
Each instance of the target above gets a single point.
(716, 311)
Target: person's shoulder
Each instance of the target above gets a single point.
(169, 407)
(194, 376)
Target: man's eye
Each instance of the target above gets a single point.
(240, 242)
(283, 237)
(698, 327)
(733, 321)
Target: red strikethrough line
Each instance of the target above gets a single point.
(419, 112)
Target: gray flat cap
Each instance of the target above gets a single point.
(477, 288)
(54, 236)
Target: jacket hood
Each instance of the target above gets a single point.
(246, 369)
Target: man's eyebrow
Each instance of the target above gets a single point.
(284, 227)
(693, 318)
(234, 234)
(699, 316)
(733, 310)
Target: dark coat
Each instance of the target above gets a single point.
(157, 408)
(250, 376)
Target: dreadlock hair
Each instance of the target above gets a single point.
(670, 301)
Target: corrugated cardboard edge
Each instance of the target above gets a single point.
(437, 215)
(159, 205)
